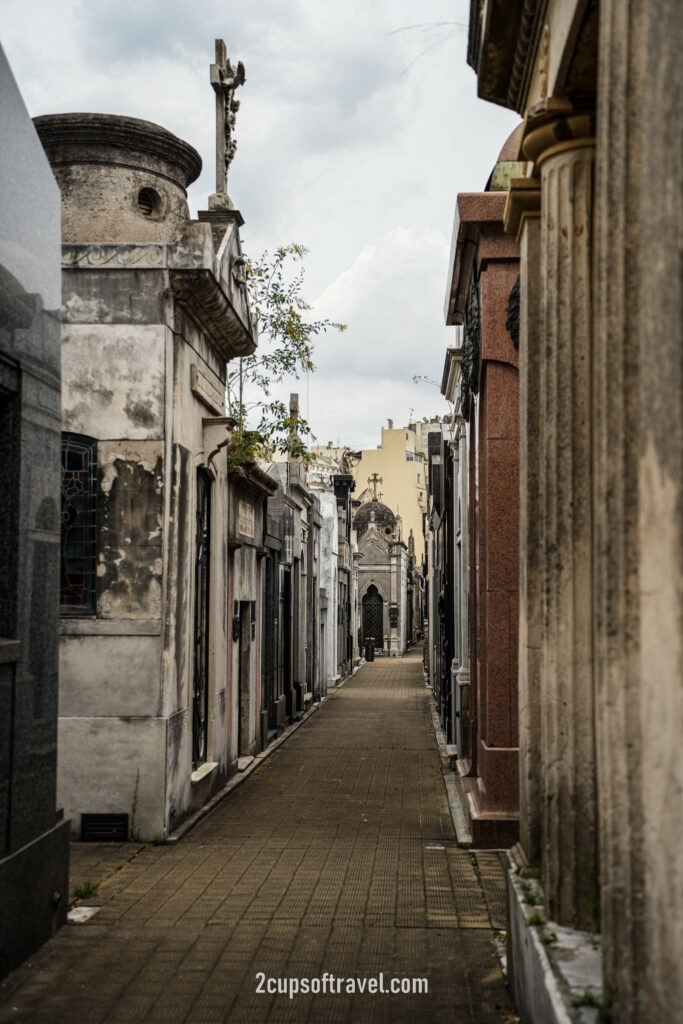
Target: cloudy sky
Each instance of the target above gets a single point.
(358, 125)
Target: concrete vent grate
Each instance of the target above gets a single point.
(104, 828)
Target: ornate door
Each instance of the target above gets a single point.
(373, 616)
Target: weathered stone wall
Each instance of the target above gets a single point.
(527, 224)
(565, 439)
(328, 579)
(638, 544)
(602, 447)
(103, 163)
(153, 309)
(245, 700)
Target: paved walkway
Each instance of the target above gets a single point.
(337, 855)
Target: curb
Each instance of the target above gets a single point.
(237, 780)
(452, 783)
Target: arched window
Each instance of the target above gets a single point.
(78, 591)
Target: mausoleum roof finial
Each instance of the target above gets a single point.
(225, 79)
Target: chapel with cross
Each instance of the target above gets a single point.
(374, 480)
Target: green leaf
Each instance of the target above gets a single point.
(286, 346)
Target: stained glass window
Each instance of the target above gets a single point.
(79, 525)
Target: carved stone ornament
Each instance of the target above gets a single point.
(225, 79)
(512, 318)
(525, 35)
(239, 271)
(471, 347)
(115, 255)
(543, 65)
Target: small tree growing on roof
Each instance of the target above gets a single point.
(264, 424)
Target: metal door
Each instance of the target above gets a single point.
(373, 616)
(200, 697)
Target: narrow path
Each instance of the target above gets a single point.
(337, 855)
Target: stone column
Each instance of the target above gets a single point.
(523, 219)
(638, 553)
(394, 647)
(563, 149)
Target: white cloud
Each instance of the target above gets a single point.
(391, 299)
(354, 139)
(349, 409)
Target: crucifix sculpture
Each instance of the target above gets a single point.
(374, 480)
(225, 79)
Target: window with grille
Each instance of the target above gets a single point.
(78, 591)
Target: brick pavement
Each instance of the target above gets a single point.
(338, 854)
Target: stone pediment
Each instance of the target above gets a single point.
(373, 548)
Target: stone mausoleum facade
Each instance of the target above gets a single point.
(382, 560)
(483, 272)
(34, 834)
(154, 305)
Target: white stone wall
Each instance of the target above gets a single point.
(328, 579)
(403, 599)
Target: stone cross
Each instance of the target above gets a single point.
(225, 79)
(374, 480)
(293, 414)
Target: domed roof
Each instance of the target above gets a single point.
(374, 511)
(510, 150)
(508, 165)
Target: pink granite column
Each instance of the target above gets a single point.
(485, 268)
(498, 740)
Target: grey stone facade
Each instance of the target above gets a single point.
(292, 639)
(249, 490)
(382, 578)
(154, 306)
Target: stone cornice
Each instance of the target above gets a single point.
(252, 481)
(523, 200)
(195, 279)
(525, 45)
(451, 371)
(502, 42)
(524, 51)
(198, 293)
(551, 133)
(300, 488)
(474, 211)
(65, 137)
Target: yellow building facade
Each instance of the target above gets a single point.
(394, 472)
